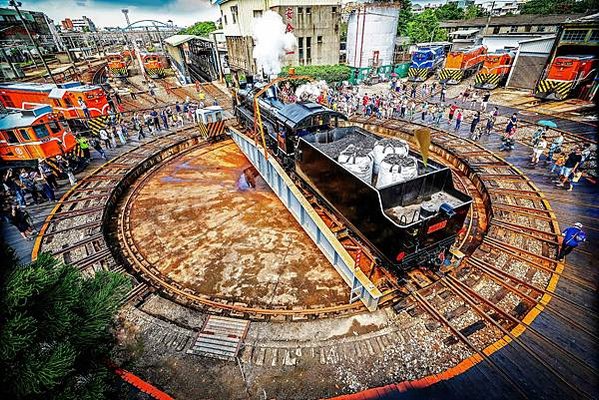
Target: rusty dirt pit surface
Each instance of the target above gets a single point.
(192, 223)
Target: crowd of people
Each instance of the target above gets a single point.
(25, 187)
(425, 104)
(428, 104)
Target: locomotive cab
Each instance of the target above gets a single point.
(26, 135)
(211, 122)
(301, 119)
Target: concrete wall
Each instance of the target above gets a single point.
(507, 29)
(371, 32)
(240, 50)
(494, 43)
(319, 29)
(320, 25)
(178, 62)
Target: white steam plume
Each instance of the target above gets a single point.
(271, 42)
(311, 90)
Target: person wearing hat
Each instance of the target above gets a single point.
(573, 236)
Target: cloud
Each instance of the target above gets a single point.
(107, 13)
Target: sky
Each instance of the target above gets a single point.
(108, 12)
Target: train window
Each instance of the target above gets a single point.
(41, 131)
(219, 116)
(594, 36)
(11, 137)
(575, 35)
(234, 15)
(24, 134)
(54, 126)
(7, 101)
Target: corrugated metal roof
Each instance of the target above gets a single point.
(20, 118)
(509, 20)
(177, 40)
(48, 87)
(44, 87)
(464, 32)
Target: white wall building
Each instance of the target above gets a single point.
(371, 33)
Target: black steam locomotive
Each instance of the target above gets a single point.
(407, 213)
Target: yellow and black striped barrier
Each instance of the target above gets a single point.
(74, 153)
(487, 81)
(212, 131)
(119, 72)
(156, 72)
(451, 76)
(95, 124)
(553, 90)
(418, 74)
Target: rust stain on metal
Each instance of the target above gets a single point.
(197, 228)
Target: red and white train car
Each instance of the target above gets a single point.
(34, 133)
(63, 98)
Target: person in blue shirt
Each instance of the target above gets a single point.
(573, 236)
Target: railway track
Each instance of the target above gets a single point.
(513, 269)
(510, 246)
(213, 91)
(527, 127)
(100, 76)
(74, 229)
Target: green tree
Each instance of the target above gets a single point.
(329, 73)
(202, 28)
(544, 7)
(405, 16)
(449, 11)
(473, 11)
(425, 28)
(55, 334)
(343, 31)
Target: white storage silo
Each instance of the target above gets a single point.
(371, 33)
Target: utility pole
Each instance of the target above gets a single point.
(137, 55)
(16, 5)
(489, 18)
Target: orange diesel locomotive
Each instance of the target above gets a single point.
(495, 70)
(565, 75)
(27, 135)
(117, 65)
(153, 65)
(63, 98)
(460, 64)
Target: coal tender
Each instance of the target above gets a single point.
(407, 213)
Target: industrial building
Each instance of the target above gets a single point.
(83, 24)
(580, 38)
(314, 23)
(38, 23)
(508, 25)
(371, 33)
(531, 58)
(196, 58)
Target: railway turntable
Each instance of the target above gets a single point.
(170, 214)
(193, 224)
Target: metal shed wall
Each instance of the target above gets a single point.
(530, 63)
